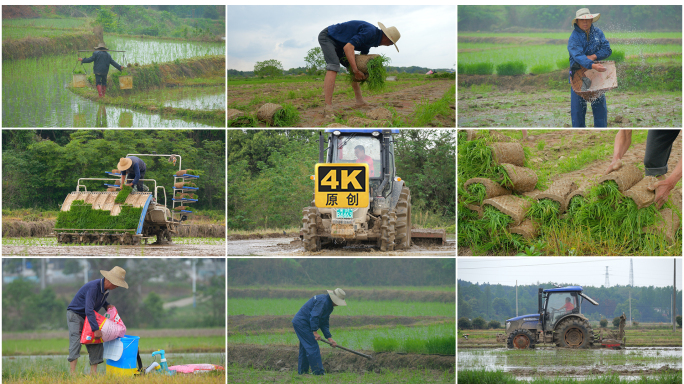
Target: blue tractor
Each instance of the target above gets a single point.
(560, 321)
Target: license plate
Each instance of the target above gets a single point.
(345, 213)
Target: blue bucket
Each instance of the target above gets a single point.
(127, 365)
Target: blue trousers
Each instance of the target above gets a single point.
(578, 110)
(309, 352)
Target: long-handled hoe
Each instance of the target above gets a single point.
(369, 357)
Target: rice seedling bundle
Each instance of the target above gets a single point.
(374, 67)
(123, 194)
(83, 216)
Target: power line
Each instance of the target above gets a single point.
(535, 265)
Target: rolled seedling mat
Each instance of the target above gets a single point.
(558, 192)
(362, 63)
(640, 192)
(234, 114)
(182, 207)
(493, 188)
(475, 208)
(583, 188)
(523, 179)
(532, 194)
(181, 185)
(667, 226)
(528, 229)
(183, 172)
(675, 199)
(511, 205)
(267, 111)
(508, 153)
(625, 177)
(112, 189)
(379, 113)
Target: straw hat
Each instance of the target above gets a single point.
(584, 14)
(102, 47)
(124, 163)
(392, 33)
(116, 276)
(337, 296)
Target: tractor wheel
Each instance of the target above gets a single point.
(574, 333)
(521, 339)
(403, 225)
(312, 242)
(387, 233)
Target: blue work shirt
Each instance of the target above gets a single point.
(360, 34)
(316, 314)
(136, 167)
(88, 300)
(102, 60)
(580, 46)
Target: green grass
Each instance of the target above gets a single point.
(286, 117)
(67, 23)
(500, 377)
(482, 68)
(83, 216)
(566, 35)
(447, 288)
(511, 68)
(541, 68)
(147, 345)
(275, 307)
(356, 339)
(250, 375)
(425, 111)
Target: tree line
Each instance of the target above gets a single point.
(519, 18)
(349, 272)
(269, 185)
(41, 167)
(497, 302)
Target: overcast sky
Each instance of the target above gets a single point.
(589, 271)
(286, 33)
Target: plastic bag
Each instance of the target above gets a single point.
(110, 324)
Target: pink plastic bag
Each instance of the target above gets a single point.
(196, 368)
(110, 324)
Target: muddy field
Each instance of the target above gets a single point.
(309, 101)
(363, 294)
(573, 363)
(108, 250)
(197, 332)
(275, 246)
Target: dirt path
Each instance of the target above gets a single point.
(284, 359)
(242, 323)
(108, 250)
(290, 246)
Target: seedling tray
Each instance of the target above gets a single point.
(186, 176)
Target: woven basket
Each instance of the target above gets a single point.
(528, 229)
(625, 177)
(380, 114)
(523, 179)
(267, 111)
(668, 226)
(601, 82)
(508, 153)
(493, 189)
(234, 114)
(640, 193)
(513, 206)
(559, 191)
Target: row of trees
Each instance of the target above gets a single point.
(350, 272)
(559, 17)
(40, 167)
(497, 302)
(268, 173)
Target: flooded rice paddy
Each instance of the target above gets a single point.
(35, 93)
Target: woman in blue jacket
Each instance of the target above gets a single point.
(586, 45)
(313, 315)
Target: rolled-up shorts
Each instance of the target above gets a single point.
(333, 51)
(100, 79)
(658, 147)
(75, 325)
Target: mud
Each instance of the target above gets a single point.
(256, 324)
(363, 294)
(293, 246)
(283, 358)
(107, 251)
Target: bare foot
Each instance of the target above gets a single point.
(361, 104)
(329, 112)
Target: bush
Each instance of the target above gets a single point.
(617, 56)
(563, 64)
(616, 322)
(679, 320)
(494, 324)
(541, 68)
(464, 323)
(511, 68)
(479, 69)
(604, 323)
(479, 323)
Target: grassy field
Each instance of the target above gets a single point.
(238, 374)
(365, 288)
(259, 307)
(70, 23)
(500, 377)
(566, 35)
(148, 344)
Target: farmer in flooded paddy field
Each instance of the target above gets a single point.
(340, 41)
(586, 45)
(102, 60)
(313, 315)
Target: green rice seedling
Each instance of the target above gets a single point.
(83, 216)
(385, 344)
(575, 204)
(478, 192)
(484, 68)
(496, 220)
(511, 68)
(608, 192)
(461, 68)
(545, 211)
(617, 56)
(541, 68)
(286, 117)
(563, 63)
(441, 345)
(123, 194)
(376, 73)
(411, 345)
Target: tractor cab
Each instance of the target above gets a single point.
(559, 303)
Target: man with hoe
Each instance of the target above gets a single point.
(102, 60)
(89, 299)
(135, 169)
(313, 315)
(341, 40)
